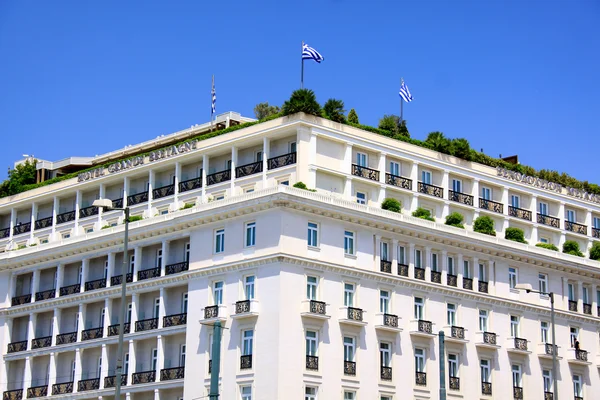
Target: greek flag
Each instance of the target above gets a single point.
(405, 93)
(308, 53)
(214, 98)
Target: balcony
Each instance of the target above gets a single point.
(491, 206)
(211, 312)
(20, 300)
(365, 172)
(355, 314)
(117, 280)
(579, 357)
(519, 213)
(21, 228)
(37, 391)
(577, 228)
(94, 333)
(15, 347)
(398, 181)
(169, 374)
(246, 361)
(190, 184)
(312, 363)
(163, 191)
(517, 392)
(249, 169)
(118, 203)
(487, 340)
(420, 273)
(245, 309)
(462, 198)
(148, 273)
(137, 198)
(63, 219)
(66, 338)
(452, 280)
(88, 384)
(483, 286)
(455, 334)
(88, 211)
(43, 223)
(454, 383)
(281, 161)
(573, 305)
(486, 388)
(69, 290)
(352, 316)
(402, 269)
(467, 283)
(587, 309)
(548, 396)
(385, 373)
(62, 388)
(146, 324)
(16, 394)
(420, 378)
(143, 377)
(436, 277)
(110, 381)
(39, 343)
(385, 266)
(595, 233)
(349, 368)
(430, 190)
(177, 268)
(387, 322)
(45, 295)
(174, 320)
(214, 313)
(218, 177)
(548, 220)
(518, 345)
(4, 233)
(314, 309)
(421, 328)
(545, 351)
(113, 330)
(95, 284)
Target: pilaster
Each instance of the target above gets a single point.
(265, 159)
(78, 370)
(35, 283)
(104, 369)
(411, 260)
(85, 266)
(205, 166)
(161, 307)
(137, 261)
(234, 164)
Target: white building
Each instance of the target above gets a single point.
(323, 294)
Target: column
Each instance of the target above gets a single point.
(60, 273)
(77, 369)
(428, 262)
(80, 320)
(132, 362)
(77, 207)
(205, 164)
(126, 181)
(85, 266)
(137, 261)
(101, 195)
(377, 252)
(105, 364)
(411, 260)
(55, 325)
(444, 262)
(31, 329)
(348, 187)
(27, 374)
(492, 277)
(381, 167)
(151, 184)
(459, 270)
(234, 164)
(13, 217)
(51, 372)
(106, 322)
(161, 307)
(35, 283)
(476, 274)
(13, 284)
(565, 293)
(55, 208)
(134, 311)
(34, 209)
(160, 360)
(594, 296)
(394, 255)
(580, 296)
(311, 180)
(347, 167)
(156, 394)
(165, 257)
(414, 176)
(265, 160)
(533, 239)
(3, 376)
(111, 267)
(475, 194)
(176, 185)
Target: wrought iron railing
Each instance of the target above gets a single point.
(521, 344)
(163, 191)
(116, 280)
(355, 314)
(148, 273)
(95, 284)
(574, 227)
(399, 181)
(137, 198)
(190, 184)
(66, 338)
(318, 307)
(88, 384)
(483, 286)
(211, 312)
(457, 332)
(249, 169)
(386, 266)
(365, 172)
(64, 218)
(41, 342)
(218, 177)
(548, 220)
(424, 326)
(110, 381)
(489, 338)
(174, 320)
(16, 394)
(349, 368)
(386, 373)
(436, 277)
(454, 383)
(430, 189)
(595, 233)
(548, 396)
(312, 363)
(43, 223)
(168, 374)
(69, 290)
(17, 346)
(37, 391)
(519, 213)
(21, 228)
(517, 392)
(4, 233)
(88, 211)
(581, 355)
(113, 330)
(572, 305)
(421, 378)
(281, 161)
(486, 388)
(467, 283)
(246, 361)
(177, 268)
(93, 333)
(45, 295)
(451, 280)
(19, 300)
(402, 269)
(143, 377)
(390, 320)
(62, 388)
(420, 273)
(146, 324)
(587, 308)
(242, 306)
(548, 349)
(460, 197)
(491, 205)
(117, 203)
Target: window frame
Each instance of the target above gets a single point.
(312, 288)
(484, 319)
(361, 197)
(543, 281)
(486, 193)
(384, 301)
(426, 177)
(513, 277)
(250, 234)
(451, 309)
(349, 243)
(249, 288)
(247, 342)
(385, 354)
(420, 355)
(219, 238)
(362, 158)
(395, 168)
(313, 234)
(453, 365)
(418, 308)
(349, 295)
(217, 292)
(349, 347)
(485, 365)
(311, 343)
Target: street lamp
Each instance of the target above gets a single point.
(527, 288)
(106, 204)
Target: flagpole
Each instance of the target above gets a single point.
(211, 100)
(401, 105)
(302, 67)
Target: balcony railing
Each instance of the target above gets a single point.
(218, 177)
(95, 284)
(430, 190)
(386, 373)
(69, 290)
(163, 191)
(148, 273)
(88, 384)
(521, 344)
(467, 283)
(457, 332)
(386, 266)
(454, 383)
(451, 280)
(113, 330)
(62, 388)
(587, 308)
(548, 349)
(355, 314)
(177, 268)
(118, 203)
(146, 324)
(483, 286)
(425, 326)
(399, 181)
(94, 333)
(519, 213)
(595, 233)
(43, 223)
(581, 355)
(249, 169)
(45, 295)
(22, 228)
(37, 391)
(517, 392)
(109, 381)
(402, 269)
(116, 280)
(174, 320)
(421, 378)
(211, 312)
(42, 342)
(66, 338)
(19, 300)
(137, 198)
(4, 233)
(436, 277)
(242, 306)
(462, 198)
(349, 368)
(548, 220)
(390, 320)
(312, 363)
(190, 184)
(281, 161)
(64, 218)
(486, 388)
(365, 172)
(169, 374)
(143, 377)
(17, 346)
(88, 211)
(420, 273)
(489, 338)
(548, 396)
(318, 307)
(577, 228)
(572, 305)
(491, 206)
(246, 361)
(16, 394)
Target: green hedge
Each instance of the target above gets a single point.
(484, 224)
(455, 219)
(548, 246)
(572, 247)
(391, 204)
(515, 234)
(423, 214)
(595, 251)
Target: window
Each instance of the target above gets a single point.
(384, 301)
(292, 147)
(361, 160)
(485, 370)
(451, 266)
(571, 216)
(44, 240)
(129, 312)
(419, 305)
(349, 395)
(250, 234)
(512, 277)
(348, 243)
(466, 269)
(571, 291)
(544, 239)
(385, 354)
(126, 366)
(384, 251)
(184, 303)
(99, 368)
(311, 287)
(218, 293)
(419, 360)
(361, 198)
(348, 294)
(249, 189)
(348, 348)
(543, 207)
(313, 234)
(228, 164)
(434, 261)
(73, 371)
(417, 258)
(598, 297)
(105, 272)
(246, 392)
(154, 359)
(401, 255)
(182, 356)
(577, 386)
(285, 182)
(80, 275)
(249, 287)
(451, 314)
(585, 295)
(483, 320)
(219, 240)
(89, 229)
(516, 375)
(426, 177)
(574, 335)
(483, 273)
(219, 196)
(457, 185)
(164, 211)
(156, 307)
(259, 156)
(131, 263)
(544, 331)
(543, 283)
(102, 315)
(514, 326)
(453, 365)
(548, 383)
(186, 252)
(311, 343)
(394, 168)
(247, 341)
(486, 193)
(66, 235)
(515, 201)
(159, 253)
(310, 393)
(596, 223)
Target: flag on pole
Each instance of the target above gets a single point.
(405, 93)
(308, 53)
(214, 99)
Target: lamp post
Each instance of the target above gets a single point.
(106, 204)
(527, 288)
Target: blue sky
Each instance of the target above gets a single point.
(511, 76)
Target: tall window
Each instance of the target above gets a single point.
(348, 294)
(512, 277)
(182, 356)
(99, 369)
(246, 392)
(126, 364)
(419, 305)
(311, 343)
(311, 287)
(543, 208)
(186, 252)
(577, 386)
(105, 272)
(384, 301)
(426, 177)
(218, 293)
(483, 273)
(543, 283)
(485, 370)
(434, 261)
(154, 359)
(184, 303)
(486, 193)
(129, 312)
(219, 240)
(362, 160)
(419, 360)
(451, 314)
(514, 326)
(453, 365)
(596, 223)
(466, 269)
(313, 234)
(310, 393)
(156, 312)
(384, 251)
(571, 216)
(571, 291)
(247, 342)
(548, 383)
(544, 331)
(483, 320)
(585, 295)
(515, 201)
(402, 255)
(348, 348)
(457, 185)
(516, 375)
(394, 168)
(451, 266)
(385, 354)
(249, 287)
(131, 264)
(348, 395)
(250, 234)
(417, 258)
(348, 243)
(292, 147)
(159, 256)
(574, 335)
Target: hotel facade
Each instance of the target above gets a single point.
(323, 294)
